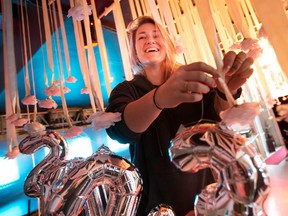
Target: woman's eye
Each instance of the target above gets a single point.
(141, 37)
(156, 35)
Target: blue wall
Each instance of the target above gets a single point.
(73, 98)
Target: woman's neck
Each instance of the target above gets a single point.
(155, 75)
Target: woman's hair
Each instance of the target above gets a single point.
(170, 60)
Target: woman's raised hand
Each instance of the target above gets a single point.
(237, 69)
(187, 84)
(191, 81)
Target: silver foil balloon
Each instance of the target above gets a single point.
(102, 184)
(51, 163)
(162, 210)
(122, 184)
(213, 201)
(240, 172)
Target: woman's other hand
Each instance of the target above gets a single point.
(237, 69)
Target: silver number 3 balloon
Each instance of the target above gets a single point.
(241, 181)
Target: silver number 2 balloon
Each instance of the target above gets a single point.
(102, 184)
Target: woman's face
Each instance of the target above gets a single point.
(149, 45)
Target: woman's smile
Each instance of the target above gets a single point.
(149, 44)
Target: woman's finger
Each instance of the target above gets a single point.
(200, 66)
(246, 74)
(228, 60)
(194, 87)
(197, 76)
(243, 69)
(238, 61)
(238, 80)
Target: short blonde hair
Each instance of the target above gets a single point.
(170, 60)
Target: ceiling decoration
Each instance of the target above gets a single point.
(193, 26)
(52, 31)
(103, 10)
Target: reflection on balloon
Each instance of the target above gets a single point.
(51, 164)
(102, 184)
(240, 172)
(213, 200)
(162, 210)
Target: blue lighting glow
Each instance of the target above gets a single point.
(79, 146)
(115, 146)
(9, 171)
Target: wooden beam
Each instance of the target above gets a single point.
(275, 23)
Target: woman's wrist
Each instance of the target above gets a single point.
(155, 100)
(223, 96)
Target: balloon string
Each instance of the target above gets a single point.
(60, 69)
(64, 37)
(26, 76)
(48, 37)
(83, 62)
(82, 58)
(11, 95)
(92, 61)
(41, 41)
(31, 62)
(227, 92)
(27, 81)
(206, 16)
(219, 64)
(102, 47)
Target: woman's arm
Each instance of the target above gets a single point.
(140, 114)
(186, 85)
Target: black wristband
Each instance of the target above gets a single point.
(235, 96)
(154, 99)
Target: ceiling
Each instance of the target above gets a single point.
(107, 21)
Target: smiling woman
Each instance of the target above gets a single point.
(149, 47)
(154, 38)
(163, 96)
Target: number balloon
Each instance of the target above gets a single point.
(240, 171)
(102, 184)
(162, 210)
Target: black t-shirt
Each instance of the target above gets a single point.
(163, 183)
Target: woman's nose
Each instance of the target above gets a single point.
(150, 41)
